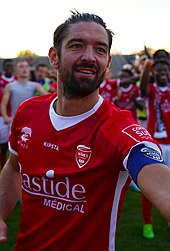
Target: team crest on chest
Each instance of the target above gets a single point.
(83, 155)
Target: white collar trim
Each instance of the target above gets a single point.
(63, 122)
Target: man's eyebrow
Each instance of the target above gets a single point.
(74, 40)
(83, 40)
(103, 44)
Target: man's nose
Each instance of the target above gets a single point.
(88, 54)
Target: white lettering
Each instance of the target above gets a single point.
(36, 184)
(47, 202)
(54, 189)
(83, 154)
(64, 206)
(26, 181)
(44, 185)
(59, 206)
(79, 191)
(51, 146)
(69, 207)
(53, 203)
(65, 187)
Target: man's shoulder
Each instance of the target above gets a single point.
(37, 102)
(45, 98)
(31, 82)
(15, 82)
(120, 128)
(114, 114)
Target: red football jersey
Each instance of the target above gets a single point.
(73, 178)
(124, 99)
(159, 97)
(108, 88)
(3, 82)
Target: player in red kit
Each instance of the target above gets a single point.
(158, 110)
(128, 94)
(72, 154)
(108, 86)
(6, 78)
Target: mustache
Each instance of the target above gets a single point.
(86, 65)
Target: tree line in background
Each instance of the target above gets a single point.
(28, 52)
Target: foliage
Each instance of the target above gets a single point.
(26, 53)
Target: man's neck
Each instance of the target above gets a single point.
(75, 106)
(22, 80)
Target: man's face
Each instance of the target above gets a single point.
(161, 74)
(42, 72)
(84, 59)
(22, 70)
(125, 75)
(8, 69)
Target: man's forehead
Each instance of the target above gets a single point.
(21, 64)
(43, 68)
(160, 66)
(8, 64)
(82, 29)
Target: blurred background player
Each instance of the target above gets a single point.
(6, 77)
(158, 111)
(107, 87)
(18, 91)
(128, 94)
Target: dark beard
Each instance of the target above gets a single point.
(74, 88)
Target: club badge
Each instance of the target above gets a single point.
(83, 154)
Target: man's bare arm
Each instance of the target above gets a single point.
(154, 181)
(4, 104)
(10, 192)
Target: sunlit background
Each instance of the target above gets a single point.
(29, 24)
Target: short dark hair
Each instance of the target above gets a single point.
(76, 17)
(156, 54)
(160, 62)
(41, 65)
(127, 71)
(7, 61)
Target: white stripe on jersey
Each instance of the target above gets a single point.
(123, 176)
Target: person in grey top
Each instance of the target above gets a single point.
(18, 91)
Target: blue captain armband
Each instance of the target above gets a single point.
(140, 156)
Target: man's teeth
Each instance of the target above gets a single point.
(86, 71)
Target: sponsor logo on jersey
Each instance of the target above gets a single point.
(83, 154)
(51, 146)
(57, 193)
(26, 133)
(137, 132)
(152, 154)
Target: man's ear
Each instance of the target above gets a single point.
(109, 61)
(53, 57)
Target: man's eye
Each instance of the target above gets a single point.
(76, 46)
(101, 50)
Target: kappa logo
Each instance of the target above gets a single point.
(83, 155)
(26, 134)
